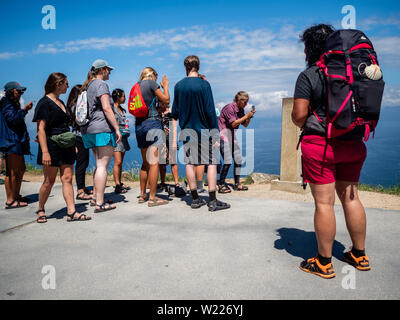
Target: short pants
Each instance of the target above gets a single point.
(148, 133)
(325, 163)
(103, 139)
(203, 153)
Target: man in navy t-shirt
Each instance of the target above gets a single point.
(194, 108)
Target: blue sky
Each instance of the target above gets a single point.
(243, 45)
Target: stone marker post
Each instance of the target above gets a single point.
(290, 175)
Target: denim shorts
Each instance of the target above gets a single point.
(145, 137)
(103, 139)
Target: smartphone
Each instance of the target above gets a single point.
(253, 108)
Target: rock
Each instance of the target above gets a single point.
(126, 176)
(263, 178)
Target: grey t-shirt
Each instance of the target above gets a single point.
(98, 122)
(148, 89)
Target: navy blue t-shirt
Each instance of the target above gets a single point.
(194, 105)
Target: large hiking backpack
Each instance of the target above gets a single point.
(353, 83)
(82, 109)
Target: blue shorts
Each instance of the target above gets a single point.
(103, 139)
(143, 132)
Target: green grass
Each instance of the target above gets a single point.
(33, 169)
(248, 180)
(395, 190)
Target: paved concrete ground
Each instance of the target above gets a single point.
(251, 251)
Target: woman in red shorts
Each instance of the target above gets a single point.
(328, 166)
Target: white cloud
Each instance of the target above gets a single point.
(391, 96)
(10, 55)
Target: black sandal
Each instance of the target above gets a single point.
(104, 207)
(120, 189)
(93, 202)
(125, 186)
(223, 189)
(81, 196)
(71, 216)
(10, 205)
(239, 187)
(41, 219)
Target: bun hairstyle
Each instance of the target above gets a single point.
(241, 95)
(53, 81)
(192, 63)
(148, 73)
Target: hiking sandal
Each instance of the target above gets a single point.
(143, 199)
(41, 219)
(104, 207)
(10, 205)
(239, 187)
(156, 202)
(93, 202)
(119, 189)
(83, 196)
(125, 187)
(88, 191)
(81, 217)
(223, 188)
(216, 205)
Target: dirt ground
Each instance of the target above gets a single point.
(368, 199)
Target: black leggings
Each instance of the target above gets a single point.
(232, 151)
(82, 162)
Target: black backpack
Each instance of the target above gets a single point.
(353, 83)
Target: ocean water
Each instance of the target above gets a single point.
(382, 166)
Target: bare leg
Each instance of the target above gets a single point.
(354, 212)
(212, 177)
(21, 172)
(117, 170)
(175, 173)
(191, 176)
(50, 174)
(13, 180)
(153, 171)
(103, 157)
(163, 172)
(324, 217)
(66, 173)
(144, 172)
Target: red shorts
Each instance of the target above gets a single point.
(338, 160)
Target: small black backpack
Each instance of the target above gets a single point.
(353, 83)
